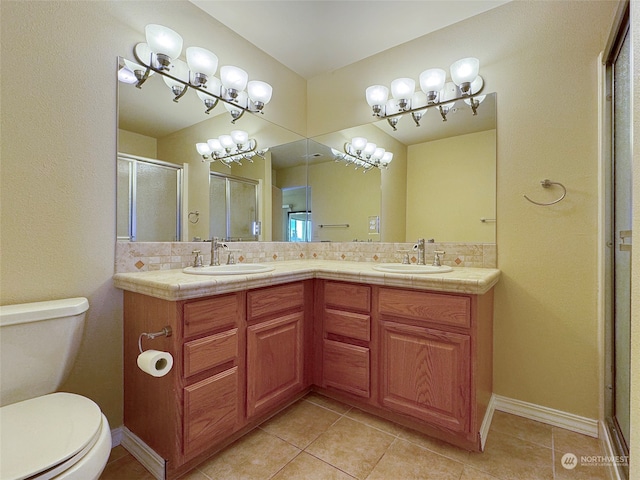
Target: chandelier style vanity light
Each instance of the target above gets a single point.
(160, 55)
(230, 149)
(361, 153)
(435, 92)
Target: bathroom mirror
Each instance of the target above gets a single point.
(441, 183)
(155, 130)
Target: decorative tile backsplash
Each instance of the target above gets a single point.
(146, 256)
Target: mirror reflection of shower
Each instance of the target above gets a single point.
(296, 217)
(149, 200)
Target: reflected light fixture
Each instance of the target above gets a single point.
(435, 92)
(362, 153)
(160, 54)
(229, 149)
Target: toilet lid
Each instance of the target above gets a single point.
(42, 432)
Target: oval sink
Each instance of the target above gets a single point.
(411, 269)
(235, 269)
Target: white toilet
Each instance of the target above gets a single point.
(46, 435)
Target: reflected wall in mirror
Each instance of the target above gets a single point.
(154, 128)
(441, 183)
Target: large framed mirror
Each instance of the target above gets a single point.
(440, 185)
(160, 134)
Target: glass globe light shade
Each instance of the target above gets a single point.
(465, 70)
(201, 60)
(387, 157)
(479, 99)
(240, 101)
(226, 141)
(239, 137)
(203, 148)
(358, 143)
(377, 95)
(233, 77)
(418, 100)
(126, 75)
(133, 66)
(403, 87)
(447, 93)
(378, 153)
(259, 91)
(477, 85)
(214, 145)
(336, 153)
(206, 98)
(432, 80)
(144, 55)
(369, 148)
(163, 40)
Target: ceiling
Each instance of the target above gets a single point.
(313, 37)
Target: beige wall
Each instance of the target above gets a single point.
(451, 185)
(136, 144)
(57, 181)
(541, 59)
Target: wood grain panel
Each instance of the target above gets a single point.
(274, 299)
(348, 324)
(210, 409)
(211, 314)
(274, 362)
(348, 295)
(452, 310)
(207, 352)
(426, 374)
(346, 367)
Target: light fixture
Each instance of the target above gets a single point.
(434, 92)
(231, 148)
(160, 55)
(362, 153)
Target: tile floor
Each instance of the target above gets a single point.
(319, 438)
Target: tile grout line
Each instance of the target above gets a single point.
(553, 455)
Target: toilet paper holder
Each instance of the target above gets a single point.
(166, 332)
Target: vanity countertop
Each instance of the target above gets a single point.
(176, 285)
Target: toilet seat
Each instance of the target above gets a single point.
(44, 436)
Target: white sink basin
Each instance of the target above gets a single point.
(236, 269)
(411, 269)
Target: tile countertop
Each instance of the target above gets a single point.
(175, 285)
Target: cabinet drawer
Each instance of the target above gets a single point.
(346, 295)
(207, 352)
(428, 307)
(210, 409)
(348, 324)
(210, 314)
(274, 299)
(345, 367)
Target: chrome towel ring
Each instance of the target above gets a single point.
(546, 184)
(195, 215)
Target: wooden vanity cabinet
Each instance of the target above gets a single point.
(436, 359)
(277, 341)
(345, 312)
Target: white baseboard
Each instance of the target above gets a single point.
(116, 437)
(550, 416)
(486, 421)
(143, 453)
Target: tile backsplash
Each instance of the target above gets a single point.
(146, 256)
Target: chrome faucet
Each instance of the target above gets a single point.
(421, 256)
(216, 244)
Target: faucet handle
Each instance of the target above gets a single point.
(436, 259)
(197, 260)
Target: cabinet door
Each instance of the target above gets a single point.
(274, 362)
(210, 409)
(426, 374)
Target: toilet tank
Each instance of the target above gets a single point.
(38, 346)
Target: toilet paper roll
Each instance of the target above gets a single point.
(155, 362)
